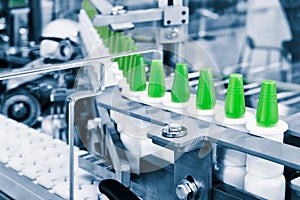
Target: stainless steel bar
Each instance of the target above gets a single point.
(267, 149)
(71, 129)
(285, 95)
(264, 148)
(130, 16)
(72, 99)
(291, 101)
(280, 85)
(70, 65)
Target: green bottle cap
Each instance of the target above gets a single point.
(267, 108)
(126, 60)
(138, 77)
(156, 86)
(106, 36)
(125, 66)
(180, 92)
(125, 40)
(89, 8)
(99, 30)
(235, 99)
(112, 42)
(116, 47)
(116, 43)
(131, 64)
(119, 45)
(206, 97)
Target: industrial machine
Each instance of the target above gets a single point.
(106, 141)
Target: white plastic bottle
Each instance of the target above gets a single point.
(265, 178)
(231, 164)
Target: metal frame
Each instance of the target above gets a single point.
(228, 137)
(186, 149)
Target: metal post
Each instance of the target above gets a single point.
(71, 100)
(35, 20)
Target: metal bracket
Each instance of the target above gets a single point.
(176, 15)
(122, 26)
(130, 16)
(115, 149)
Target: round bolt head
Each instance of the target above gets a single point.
(175, 127)
(172, 34)
(174, 131)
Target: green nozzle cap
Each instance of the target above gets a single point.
(89, 8)
(126, 59)
(107, 33)
(138, 75)
(235, 99)
(125, 66)
(103, 32)
(267, 108)
(121, 60)
(131, 63)
(116, 43)
(112, 42)
(156, 86)
(119, 44)
(206, 97)
(180, 89)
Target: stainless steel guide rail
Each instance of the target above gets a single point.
(70, 65)
(20, 187)
(193, 152)
(277, 152)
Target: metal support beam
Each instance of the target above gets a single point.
(103, 6)
(131, 16)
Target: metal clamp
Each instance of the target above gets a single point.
(119, 10)
(174, 131)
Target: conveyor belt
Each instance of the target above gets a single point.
(35, 166)
(229, 137)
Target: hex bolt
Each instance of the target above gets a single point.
(183, 191)
(188, 189)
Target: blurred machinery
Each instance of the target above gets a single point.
(27, 42)
(92, 120)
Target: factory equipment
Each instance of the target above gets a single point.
(152, 148)
(27, 99)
